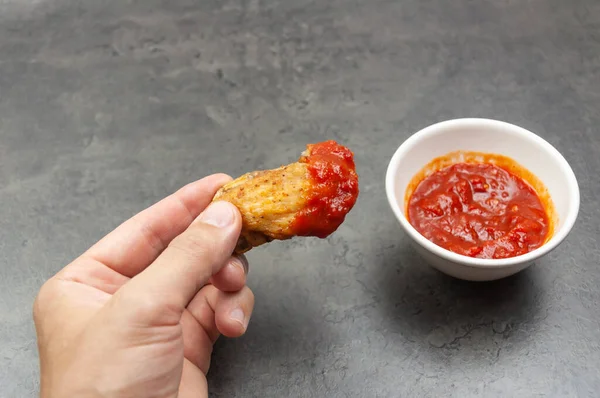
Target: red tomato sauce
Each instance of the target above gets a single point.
(479, 210)
(334, 191)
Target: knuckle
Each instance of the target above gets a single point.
(197, 242)
(150, 234)
(146, 309)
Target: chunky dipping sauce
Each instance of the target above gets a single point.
(479, 210)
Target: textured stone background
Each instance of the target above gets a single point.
(106, 106)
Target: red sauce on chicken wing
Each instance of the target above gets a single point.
(334, 189)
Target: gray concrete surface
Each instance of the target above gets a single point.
(106, 106)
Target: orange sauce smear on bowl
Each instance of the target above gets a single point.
(480, 205)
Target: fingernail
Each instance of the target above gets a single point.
(238, 316)
(241, 262)
(218, 214)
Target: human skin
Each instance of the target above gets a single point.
(138, 313)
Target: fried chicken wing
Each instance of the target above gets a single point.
(310, 197)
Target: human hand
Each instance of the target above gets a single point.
(138, 313)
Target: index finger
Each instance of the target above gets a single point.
(136, 243)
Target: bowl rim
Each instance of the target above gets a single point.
(559, 235)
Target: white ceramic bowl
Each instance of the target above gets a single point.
(491, 136)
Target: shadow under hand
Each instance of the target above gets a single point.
(451, 317)
(283, 340)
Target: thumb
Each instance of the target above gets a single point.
(173, 279)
